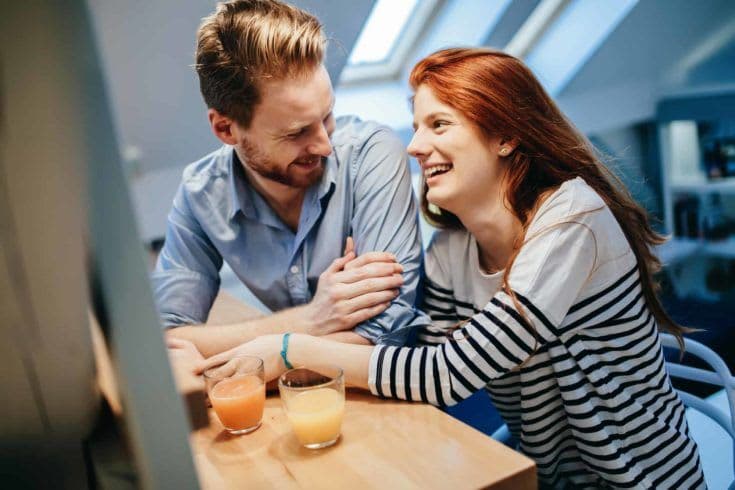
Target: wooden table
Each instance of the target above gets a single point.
(384, 444)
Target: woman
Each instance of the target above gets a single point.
(550, 264)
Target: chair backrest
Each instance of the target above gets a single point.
(719, 375)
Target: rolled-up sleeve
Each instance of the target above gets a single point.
(186, 277)
(385, 218)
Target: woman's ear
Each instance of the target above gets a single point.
(506, 146)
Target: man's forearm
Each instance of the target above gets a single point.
(213, 339)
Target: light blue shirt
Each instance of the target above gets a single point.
(365, 192)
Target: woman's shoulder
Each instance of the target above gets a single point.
(447, 249)
(572, 200)
(448, 240)
(578, 205)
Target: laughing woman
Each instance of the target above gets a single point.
(539, 285)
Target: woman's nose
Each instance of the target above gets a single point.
(417, 145)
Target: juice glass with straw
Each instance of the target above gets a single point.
(236, 389)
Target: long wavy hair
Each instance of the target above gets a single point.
(502, 97)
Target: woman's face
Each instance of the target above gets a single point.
(461, 167)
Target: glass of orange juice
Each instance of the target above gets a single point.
(314, 401)
(236, 389)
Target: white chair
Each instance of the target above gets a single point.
(713, 444)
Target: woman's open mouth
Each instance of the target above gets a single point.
(433, 172)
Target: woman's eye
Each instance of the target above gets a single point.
(440, 124)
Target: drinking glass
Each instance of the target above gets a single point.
(314, 401)
(236, 389)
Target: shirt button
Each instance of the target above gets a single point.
(294, 269)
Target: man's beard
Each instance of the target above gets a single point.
(266, 168)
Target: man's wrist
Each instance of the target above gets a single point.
(307, 320)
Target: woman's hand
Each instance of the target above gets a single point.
(353, 289)
(266, 347)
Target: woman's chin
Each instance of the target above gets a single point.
(439, 200)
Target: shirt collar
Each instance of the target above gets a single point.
(241, 198)
(329, 178)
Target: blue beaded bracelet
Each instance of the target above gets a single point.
(284, 351)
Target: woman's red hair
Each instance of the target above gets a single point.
(502, 97)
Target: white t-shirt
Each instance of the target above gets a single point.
(577, 373)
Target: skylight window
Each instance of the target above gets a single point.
(573, 38)
(382, 30)
(389, 33)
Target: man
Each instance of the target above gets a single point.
(279, 200)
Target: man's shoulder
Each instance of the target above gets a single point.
(366, 144)
(201, 173)
(351, 130)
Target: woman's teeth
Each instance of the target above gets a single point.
(436, 169)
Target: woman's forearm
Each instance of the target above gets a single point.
(353, 359)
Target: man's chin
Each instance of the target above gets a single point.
(301, 178)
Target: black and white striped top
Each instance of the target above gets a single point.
(579, 376)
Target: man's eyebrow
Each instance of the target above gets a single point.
(294, 128)
(299, 126)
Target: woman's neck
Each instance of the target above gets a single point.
(496, 230)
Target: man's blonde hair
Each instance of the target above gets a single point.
(245, 41)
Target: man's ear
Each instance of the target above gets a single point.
(222, 127)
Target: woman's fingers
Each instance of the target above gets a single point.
(213, 361)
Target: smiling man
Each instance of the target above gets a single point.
(279, 200)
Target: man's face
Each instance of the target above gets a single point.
(288, 138)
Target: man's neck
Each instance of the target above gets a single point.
(285, 200)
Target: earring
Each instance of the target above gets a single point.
(504, 151)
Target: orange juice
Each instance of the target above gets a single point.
(316, 415)
(239, 402)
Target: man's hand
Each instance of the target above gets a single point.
(183, 350)
(353, 290)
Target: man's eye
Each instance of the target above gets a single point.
(439, 124)
(296, 134)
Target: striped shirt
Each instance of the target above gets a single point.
(578, 375)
